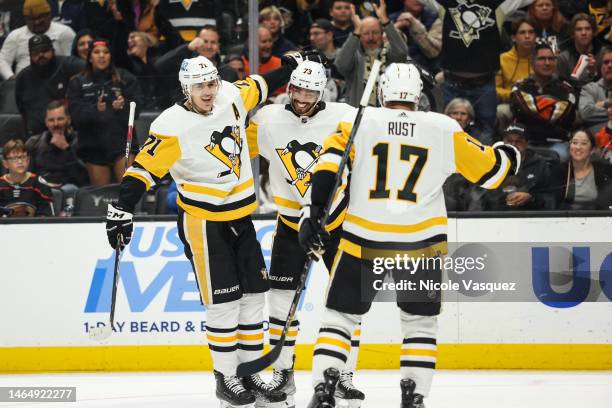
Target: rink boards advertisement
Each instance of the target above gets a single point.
(57, 278)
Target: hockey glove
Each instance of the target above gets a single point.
(311, 236)
(118, 226)
(293, 58)
(512, 153)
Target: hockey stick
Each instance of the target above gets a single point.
(104, 332)
(251, 367)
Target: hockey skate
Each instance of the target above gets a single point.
(409, 398)
(282, 380)
(231, 392)
(351, 397)
(324, 392)
(266, 396)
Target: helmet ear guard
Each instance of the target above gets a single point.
(400, 83)
(197, 70)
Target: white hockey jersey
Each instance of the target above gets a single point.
(207, 155)
(400, 160)
(293, 145)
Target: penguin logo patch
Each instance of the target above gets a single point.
(299, 159)
(226, 146)
(469, 20)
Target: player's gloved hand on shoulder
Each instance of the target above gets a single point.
(311, 236)
(293, 58)
(119, 226)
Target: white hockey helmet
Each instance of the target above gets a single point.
(196, 70)
(400, 83)
(310, 75)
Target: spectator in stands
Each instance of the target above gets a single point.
(111, 19)
(462, 111)
(595, 96)
(81, 43)
(604, 139)
(582, 30)
(206, 44)
(322, 39)
(514, 67)
(11, 17)
(341, 13)
(525, 190)
(267, 61)
(69, 12)
(140, 61)
(549, 23)
(235, 62)
(582, 183)
(180, 21)
(423, 29)
(271, 18)
(544, 103)
(45, 80)
(99, 106)
(54, 151)
(23, 192)
(470, 55)
(14, 51)
(364, 45)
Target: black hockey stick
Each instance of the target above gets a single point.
(104, 332)
(254, 366)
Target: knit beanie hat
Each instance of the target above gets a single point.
(35, 7)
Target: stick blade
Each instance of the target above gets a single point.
(259, 364)
(100, 333)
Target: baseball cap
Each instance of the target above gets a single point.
(323, 24)
(40, 42)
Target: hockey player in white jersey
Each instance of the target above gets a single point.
(398, 163)
(291, 138)
(202, 144)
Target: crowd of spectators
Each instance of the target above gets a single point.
(534, 73)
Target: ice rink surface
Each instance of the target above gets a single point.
(451, 389)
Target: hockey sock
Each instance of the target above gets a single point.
(221, 332)
(250, 326)
(279, 301)
(334, 342)
(351, 364)
(418, 355)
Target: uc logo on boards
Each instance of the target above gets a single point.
(585, 280)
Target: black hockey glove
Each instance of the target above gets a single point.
(118, 226)
(293, 58)
(311, 236)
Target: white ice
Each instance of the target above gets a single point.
(451, 389)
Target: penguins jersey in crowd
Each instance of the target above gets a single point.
(399, 162)
(207, 155)
(293, 144)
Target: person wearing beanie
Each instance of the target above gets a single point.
(15, 51)
(99, 99)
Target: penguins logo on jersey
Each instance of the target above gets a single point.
(470, 19)
(299, 160)
(226, 146)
